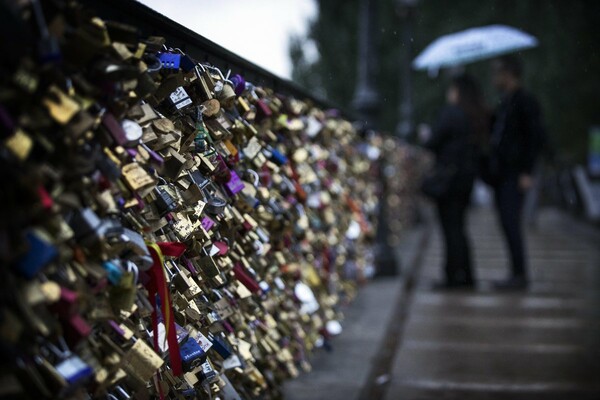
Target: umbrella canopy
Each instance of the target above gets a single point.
(473, 45)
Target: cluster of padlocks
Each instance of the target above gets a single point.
(168, 231)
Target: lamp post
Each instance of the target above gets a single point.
(366, 104)
(366, 96)
(405, 9)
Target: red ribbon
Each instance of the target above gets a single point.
(243, 277)
(158, 285)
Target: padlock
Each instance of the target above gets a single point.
(40, 253)
(70, 367)
(136, 177)
(208, 375)
(184, 282)
(133, 132)
(74, 370)
(179, 99)
(194, 192)
(141, 361)
(250, 235)
(223, 88)
(198, 179)
(234, 185)
(239, 84)
(187, 63)
(220, 346)
(170, 60)
(215, 205)
(123, 295)
(276, 156)
(225, 93)
(192, 311)
(192, 354)
(207, 83)
(174, 165)
(165, 203)
(222, 306)
(131, 244)
(209, 266)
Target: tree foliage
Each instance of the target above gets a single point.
(562, 71)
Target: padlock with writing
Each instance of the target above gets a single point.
(179, 99)
(208, 375)
(165, 202)
(192, 354)
(184, 282)
(195, 190)
(141, 361)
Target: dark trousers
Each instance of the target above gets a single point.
(509, 205)
(452, 215)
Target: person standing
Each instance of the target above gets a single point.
(515, 143)
(455, 141)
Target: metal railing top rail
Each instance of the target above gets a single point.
(153, 23)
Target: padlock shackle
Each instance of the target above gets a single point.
(133, 268)
(123, 392)
(63, 353)
(255, 176)
(218, 71)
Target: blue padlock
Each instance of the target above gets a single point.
(40, 253)
(170, 60)
(187, 63)
(277, 157)
(220, 346)
(115, 273)
(74, 370)
(208, 374)
(192, 354)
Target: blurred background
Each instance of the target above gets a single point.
(315, 43)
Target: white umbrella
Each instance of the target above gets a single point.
(473, 45)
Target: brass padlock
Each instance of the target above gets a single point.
(141, 361)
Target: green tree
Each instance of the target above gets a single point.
(562, 71)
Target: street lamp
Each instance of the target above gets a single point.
(366, 103)
(366, 97)
(405, 9)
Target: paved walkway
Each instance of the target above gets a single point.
(539, 344)
(417, 344)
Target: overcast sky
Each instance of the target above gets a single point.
(257, 30)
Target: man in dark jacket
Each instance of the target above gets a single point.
(516, 141)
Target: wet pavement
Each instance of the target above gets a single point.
(543, 343)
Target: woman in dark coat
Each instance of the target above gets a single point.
(455, 141)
